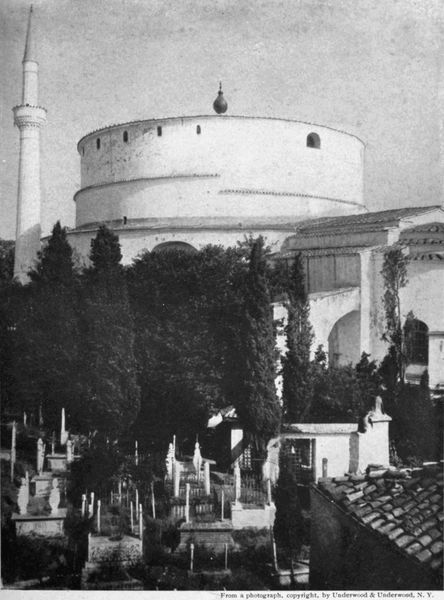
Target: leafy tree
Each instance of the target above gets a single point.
(183, 305)
(256, 404)
(369, 381)
(336, 395)
(110, 393)
(297, 384)
(95, 471)
(339, 394)
(415, 428)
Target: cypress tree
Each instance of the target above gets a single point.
(257, 404)
(47, 334)
(55, 264)
(6, 261)
(296, 372)
(289, 522)
(110, 390)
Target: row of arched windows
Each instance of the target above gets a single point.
(313, 139)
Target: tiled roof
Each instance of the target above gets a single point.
(403, 506)
(363, 220)
(433, 227)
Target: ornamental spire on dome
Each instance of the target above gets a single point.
(220, 104)
(29, 45)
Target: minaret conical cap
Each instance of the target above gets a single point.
(29, 45)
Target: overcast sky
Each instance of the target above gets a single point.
(369, 67)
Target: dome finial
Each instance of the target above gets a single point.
(220, 104)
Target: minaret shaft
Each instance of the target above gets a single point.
(28, 117)
(30, 92)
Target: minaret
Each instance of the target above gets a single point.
(28, 117)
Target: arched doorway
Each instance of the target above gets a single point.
(416, 340)
(344, 340)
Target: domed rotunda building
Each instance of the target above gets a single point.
(213, 179)
(185, 182)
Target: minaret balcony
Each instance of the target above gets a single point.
(29, 116)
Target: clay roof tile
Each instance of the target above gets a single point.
(405, 507)
(424, 556)
(403, 540)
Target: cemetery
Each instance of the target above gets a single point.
(190, 523)
(183, 524)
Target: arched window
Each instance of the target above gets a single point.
(198, 130)
(159, 130)
(83, 151)
(416, 342)
(174, 247)
(98, 143)
(313, 140)
(125, 136)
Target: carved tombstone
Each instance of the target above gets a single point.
(69, 451)
(197, 460)
(170, 461)
(23, 496)
(237, 482)
(40, 455)
(54, 496)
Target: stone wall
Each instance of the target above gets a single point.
(243, 516)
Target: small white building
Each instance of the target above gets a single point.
(318, 450)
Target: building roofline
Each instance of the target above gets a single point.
(190, 117)
(362, 221)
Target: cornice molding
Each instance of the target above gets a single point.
(137, 179)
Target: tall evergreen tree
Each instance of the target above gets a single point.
(256, 404)
(6, 260)
(55, 264)
(47, 345)
(8, 305)
(110, 402)
(289, 521)
(296, 368)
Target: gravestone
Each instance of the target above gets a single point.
(54, 497)
(23, 496)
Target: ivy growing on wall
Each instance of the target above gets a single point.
(394, 274)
